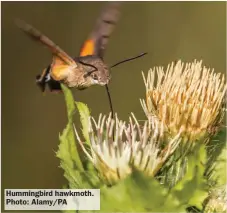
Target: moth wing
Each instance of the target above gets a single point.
(104, 26)
(38, 36)
(60, 58)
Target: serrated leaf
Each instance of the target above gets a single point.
(67, 150)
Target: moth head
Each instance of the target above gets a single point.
(100, 77)
(95, 70)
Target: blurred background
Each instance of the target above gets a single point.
(31, 121)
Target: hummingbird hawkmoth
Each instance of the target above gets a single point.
(89, 68)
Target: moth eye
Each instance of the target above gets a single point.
(94, 76)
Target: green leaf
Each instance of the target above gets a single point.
(219, 168)
(192, 189)
(216, 164)
(69, 100)
(138, 193)
(67, 150)
(84, 119)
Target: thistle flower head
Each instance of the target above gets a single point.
(187, 98)
(217, 201)
(143, 147)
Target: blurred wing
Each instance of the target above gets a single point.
(38, 36)
(98, 39)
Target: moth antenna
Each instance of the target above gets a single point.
(129, 59)
(89, 65)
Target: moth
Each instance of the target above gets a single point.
(89, 67)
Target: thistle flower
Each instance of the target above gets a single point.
(217, 200)
(186, 103)
(143, 147)
(187, 98)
